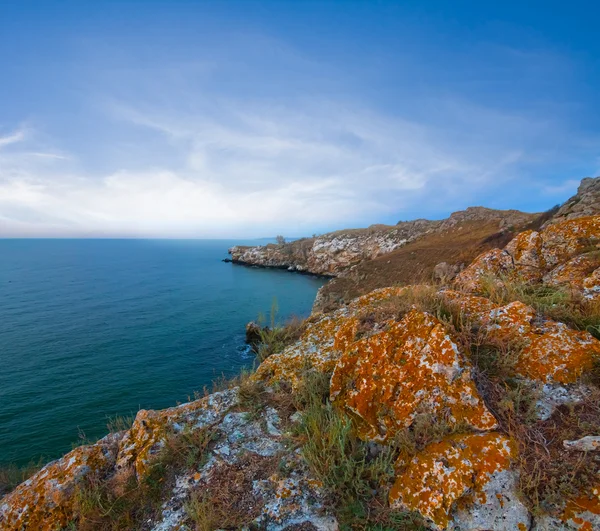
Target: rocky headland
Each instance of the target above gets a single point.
(448, 379)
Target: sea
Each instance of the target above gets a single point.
(92, 329)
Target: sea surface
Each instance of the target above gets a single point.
(95, 328)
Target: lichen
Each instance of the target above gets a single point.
(450, 473)
(546, 350)
(413, 366)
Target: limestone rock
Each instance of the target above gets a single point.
(534, 256)
(547, 351)
(585, 203)
(150, 428)
(590, 443)
(412, 366)
(463, 482)
(580, 514)
(45, 502)
(323, 341)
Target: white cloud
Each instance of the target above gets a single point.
(173, 153)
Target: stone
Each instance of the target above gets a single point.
(322, 342)
(547, 351)
(590, 443)
(46, 501)
(550, 255)
(412, 367)
(467, 477)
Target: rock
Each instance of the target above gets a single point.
(413, 366)
(253, 335)
(322, 343)
(590, 443)
(335, 253)
(534, 256)
(575, 272)
(445, 272)
(151, 428)
(591, 286)
(293, 500)
(585, 203)
(547, 351)
(580, 514)
(552, 395)
(46, 501)
(463, 482)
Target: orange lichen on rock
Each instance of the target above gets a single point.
(45, 502)
(591, 286)
(151, 428)
(445, 473)
(574, 273)
(414, 366)
(322, 342)
(491, 263)
(546, 350)
(583, 513)
(531, 255)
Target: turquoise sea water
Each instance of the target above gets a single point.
(94, 328)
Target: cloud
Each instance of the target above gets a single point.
(174, 151)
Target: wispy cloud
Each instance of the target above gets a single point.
(184, 154)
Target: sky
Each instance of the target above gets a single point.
(238, 119)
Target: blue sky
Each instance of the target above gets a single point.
(250, 118)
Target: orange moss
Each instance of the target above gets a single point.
(385, 379)
(445, 473)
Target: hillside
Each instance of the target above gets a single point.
(335, 253)
(468, 400)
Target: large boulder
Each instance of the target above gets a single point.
(46, 501)
(411, 367)
(549, 255)
(323, 341)
(545, 350)
(463, 482)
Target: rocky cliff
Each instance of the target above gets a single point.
(470, 403)
(333, 254)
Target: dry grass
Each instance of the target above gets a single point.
(355, 475)
(227, 500)
(414, 263)
(101, 505)
(557, 303)
(274, 338)
(12, 475)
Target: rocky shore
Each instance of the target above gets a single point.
(469, 402)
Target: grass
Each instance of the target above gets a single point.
(102, 506)
(355, 475)
(12, 475)
(557, 303)
(274, 338)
